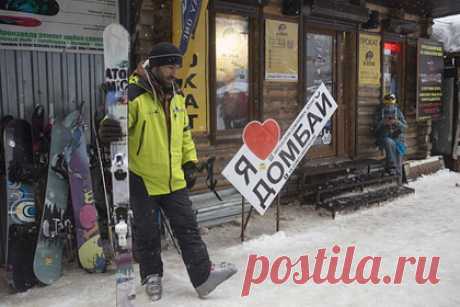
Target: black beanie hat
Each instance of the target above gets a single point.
(165, 54)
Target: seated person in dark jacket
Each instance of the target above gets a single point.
(389, 132)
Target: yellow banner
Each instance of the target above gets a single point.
(369, 59)
(194, 69)
(281, 52)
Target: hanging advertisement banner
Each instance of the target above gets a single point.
(369, 60)
(62, 25)
(430, 67)
(193, 42)
(263, 164)
(190, 14)
(281, 51)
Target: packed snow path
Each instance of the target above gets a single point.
(424, 224)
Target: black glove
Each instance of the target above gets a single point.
(189, 169)
(110, 130)
(396, 133)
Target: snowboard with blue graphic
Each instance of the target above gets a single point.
(21, 228)
(54, 226)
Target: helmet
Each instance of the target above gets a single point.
(389, 99)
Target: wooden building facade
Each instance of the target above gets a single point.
(330, 37)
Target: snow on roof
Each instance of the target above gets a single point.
(447, 31)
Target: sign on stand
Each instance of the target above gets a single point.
(264, 163)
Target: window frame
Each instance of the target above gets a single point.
(250, 12)
(386, 37)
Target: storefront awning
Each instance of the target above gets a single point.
(434, 8)
(443, 8)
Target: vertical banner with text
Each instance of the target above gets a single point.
(430, 67)
(262, 166)
(369, 60)
(193, 40)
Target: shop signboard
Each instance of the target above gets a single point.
(264, 163)
(430, 66)
(56, 25)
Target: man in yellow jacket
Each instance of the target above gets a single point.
(162, 159)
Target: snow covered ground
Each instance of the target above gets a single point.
(424, 224)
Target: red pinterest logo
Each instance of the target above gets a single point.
(260, 138)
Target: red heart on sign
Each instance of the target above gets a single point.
(261, 139)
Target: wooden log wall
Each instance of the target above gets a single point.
(367, 102)
(280, 99)
(418, 132)
(153, 25)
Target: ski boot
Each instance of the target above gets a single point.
(218, 274)
(153, 287)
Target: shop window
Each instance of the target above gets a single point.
(231, 71)
(320, 68)
(392, 68)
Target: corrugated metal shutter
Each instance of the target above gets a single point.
(55, 80)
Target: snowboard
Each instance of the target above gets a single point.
(3, 201)
(19, 21)
(116, 52)
(54, 226)
(40, 149)
(40, 7)
(21, 228)
(90, 252)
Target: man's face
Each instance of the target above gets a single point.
(167, 73)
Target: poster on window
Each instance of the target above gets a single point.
(429, 79)
(281, 57)
(232, 80)
(56, 25)
(369, 60)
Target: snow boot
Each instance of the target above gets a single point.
(153, 287)
(218, 274)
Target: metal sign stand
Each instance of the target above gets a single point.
(245, 221)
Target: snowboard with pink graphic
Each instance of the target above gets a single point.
(90, 251)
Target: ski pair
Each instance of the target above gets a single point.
(116, 55)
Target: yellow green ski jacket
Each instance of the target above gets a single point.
(156, 154)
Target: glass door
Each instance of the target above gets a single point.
(320, 62)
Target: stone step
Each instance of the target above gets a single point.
(361, 200)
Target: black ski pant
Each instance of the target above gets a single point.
(178, 209)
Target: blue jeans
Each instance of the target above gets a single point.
(392, 155)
